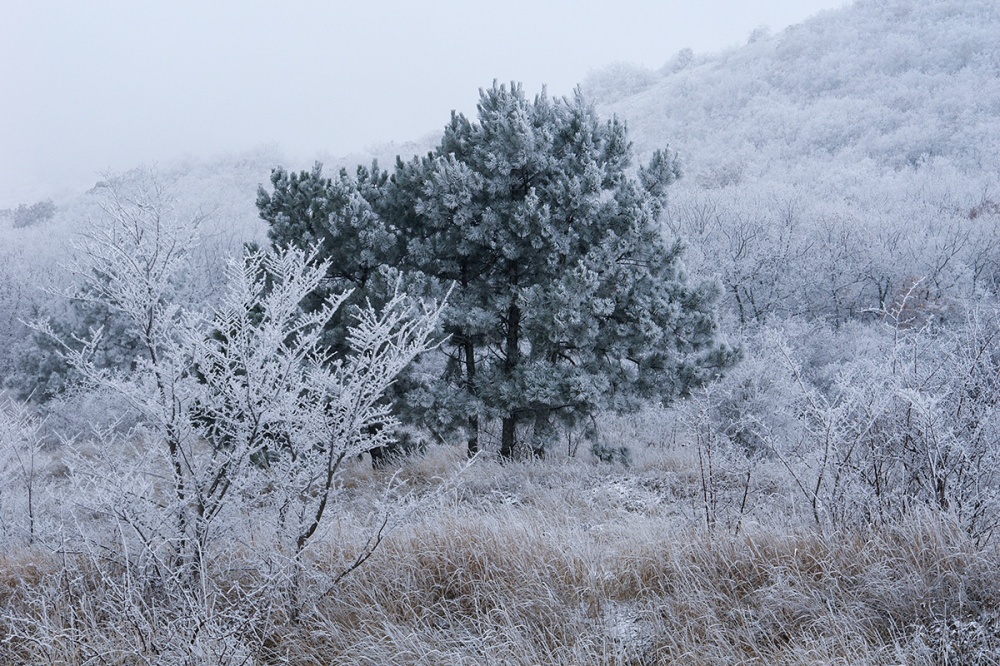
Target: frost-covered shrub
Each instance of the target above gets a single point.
(610, 454)
(870, 421)
(678, 62)
(618, 80)
(26, 216)
(918, 426)
(236, 407)
(22, 475)
(41, 373)
(756, 406)
(751, 406)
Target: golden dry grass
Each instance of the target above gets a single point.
(573, 562)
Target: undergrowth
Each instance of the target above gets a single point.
(565, 561)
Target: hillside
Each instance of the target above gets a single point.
(898, 83)
(832, 166)
(834, 498)
(877, 125)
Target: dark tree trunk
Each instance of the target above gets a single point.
(380, 455)
(508, 434)
(470, 374)
(473, 440)
(508, 438)
(470, 379)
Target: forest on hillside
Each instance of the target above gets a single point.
(700, 365)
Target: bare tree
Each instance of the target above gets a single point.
(239, 402)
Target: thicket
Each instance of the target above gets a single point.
(26, 216)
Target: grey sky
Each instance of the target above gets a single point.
(102, 84)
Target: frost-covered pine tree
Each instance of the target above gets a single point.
(338, 218)
(567, 300)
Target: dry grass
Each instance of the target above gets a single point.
(515, 585)
(566, 562)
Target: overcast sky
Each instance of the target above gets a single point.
(109, 84)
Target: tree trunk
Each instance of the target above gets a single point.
(470, 374)
(508, 435)
(470, 378)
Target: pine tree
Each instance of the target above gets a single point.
(567, 300)
(336, 219)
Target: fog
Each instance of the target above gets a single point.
(108, 85)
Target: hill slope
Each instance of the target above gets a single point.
(834, 165)
(829, 168)
(897, 82)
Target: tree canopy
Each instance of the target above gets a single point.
(567, 300)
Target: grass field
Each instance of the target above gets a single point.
(556, 561)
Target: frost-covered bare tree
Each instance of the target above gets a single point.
(279, 411)
(185, 535)
(21, 474)
(871, 422)
(238, 403)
